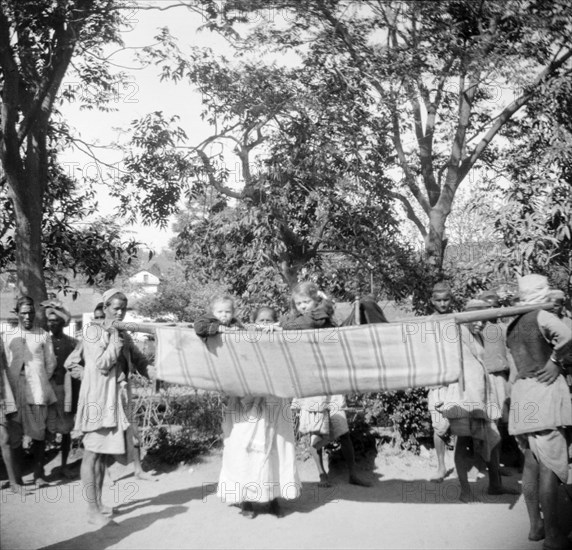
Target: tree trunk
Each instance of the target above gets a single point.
(289, 271)
(435, 241)
(26, 197)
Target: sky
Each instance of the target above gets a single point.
(143, 94)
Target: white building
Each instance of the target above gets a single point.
(147, 280)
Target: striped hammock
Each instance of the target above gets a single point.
(305, 363)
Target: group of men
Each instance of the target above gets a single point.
(34, 400)
(51, 383)
(525, 364)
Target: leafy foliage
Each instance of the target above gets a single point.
(530, 215)
(405, 411)
(431, 75)
(40, 41)
(189, 426)
(310, 203)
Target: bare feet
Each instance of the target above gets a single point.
(467, 496)
(40, 482)
(276, 509)
(144, 476)
(536, 531)
(356, 480)
(502, 491)
(105, 510)
(324, 481)
(441, 475)
(15, 488)
(97, 518)
(247, 510)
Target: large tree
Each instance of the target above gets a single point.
(39, 40)
(441, 74)
(300, 192)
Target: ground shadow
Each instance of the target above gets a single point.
(395, 490)
(27, 465)
(111, 535)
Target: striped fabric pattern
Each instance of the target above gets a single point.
(305, 363)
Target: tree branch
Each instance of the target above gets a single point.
(9, 149)
(409, 211)
(63, 44)
(508, 112)
(409, 176)
(212, 179)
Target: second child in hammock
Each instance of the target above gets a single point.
(323, 417)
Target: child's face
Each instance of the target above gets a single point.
(558, 307)
(304, 304)
(224, 312)
(441, 301)
(265, 317)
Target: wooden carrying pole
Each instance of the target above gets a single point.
(138, 327)
(498, 312)
(460, 318)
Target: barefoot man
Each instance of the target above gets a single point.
(59, 420)
(442, 302)
(476, 411)
(104, 407)
(540, 409)
(31, 362)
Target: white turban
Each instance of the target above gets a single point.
(533, 289)
(476, 304)
(108, 294)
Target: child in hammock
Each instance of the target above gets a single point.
(220, 318)
(259, 456)
(322, 417)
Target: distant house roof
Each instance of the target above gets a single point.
(154, 269)
(138, 277)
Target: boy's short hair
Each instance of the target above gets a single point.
(442, 287)
(218, 298)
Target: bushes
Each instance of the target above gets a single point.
(177, 424)
(405, 411)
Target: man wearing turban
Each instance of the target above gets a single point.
(540, 408)
(104, 408)
(60, 417)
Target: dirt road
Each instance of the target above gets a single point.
(401, 510)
